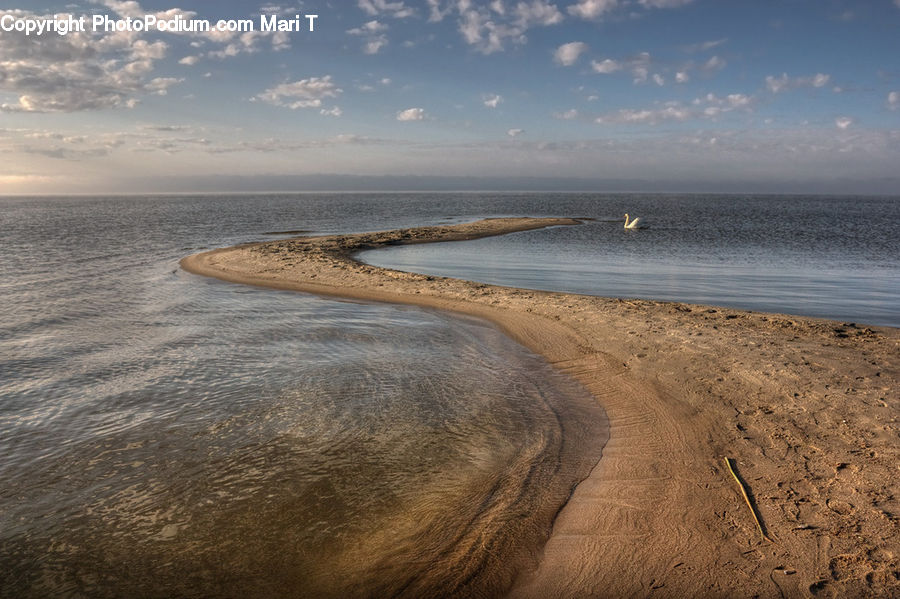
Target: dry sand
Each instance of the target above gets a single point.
(807, 408)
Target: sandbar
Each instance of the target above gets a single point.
(806, 408)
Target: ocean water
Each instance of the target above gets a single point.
(829, 257)
(164, 434)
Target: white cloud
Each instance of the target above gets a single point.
(739, 100)
(281, 40)
(640, 74)
(819, 80)
(659, 79)
(714, 105)
(493, 100)
(704, 46)
(537, 12)
(708, 68)
(706, 107)
(783, 83)
(233, 42)
(436, 13)
(373, 32)
(164, 128)
(77, 71)
(843, 122)
(639, 66)
(67, 146)
(648, 117)
(282, 146)
(189, 60)
(305, 93)
(398, 10)
(492, 28)
(160, 86)
(606, 66)
(411, 114)
(568, 115)
(568, 54)
(591, 9)
(777, 84)
(271, 9)
(515, 132)
(247, 43)
(229, 51)
(368, 28)
(334, 111)
(373, 46)
(893, 98)
(731, 100)
(714, 64)
(124, 8)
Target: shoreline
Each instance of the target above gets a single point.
(808, 408)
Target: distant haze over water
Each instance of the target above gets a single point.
(336, 183)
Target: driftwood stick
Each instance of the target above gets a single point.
(743, 489)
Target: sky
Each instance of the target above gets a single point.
(599, 95)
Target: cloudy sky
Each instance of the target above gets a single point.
(731, 95)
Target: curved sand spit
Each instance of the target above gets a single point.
(808, 409)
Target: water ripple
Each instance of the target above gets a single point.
(169, 435)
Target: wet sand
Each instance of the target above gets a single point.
(807, 409)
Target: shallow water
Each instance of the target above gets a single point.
(829, 257)
(164, 434)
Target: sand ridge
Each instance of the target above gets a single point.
(808, 409)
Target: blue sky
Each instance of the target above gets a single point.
(723, 95)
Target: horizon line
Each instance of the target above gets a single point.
(441, 191)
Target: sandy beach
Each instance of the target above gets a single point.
(806, 408)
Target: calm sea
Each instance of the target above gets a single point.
(830, 257)
(163, 434)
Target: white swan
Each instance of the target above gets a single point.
(631, 224)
